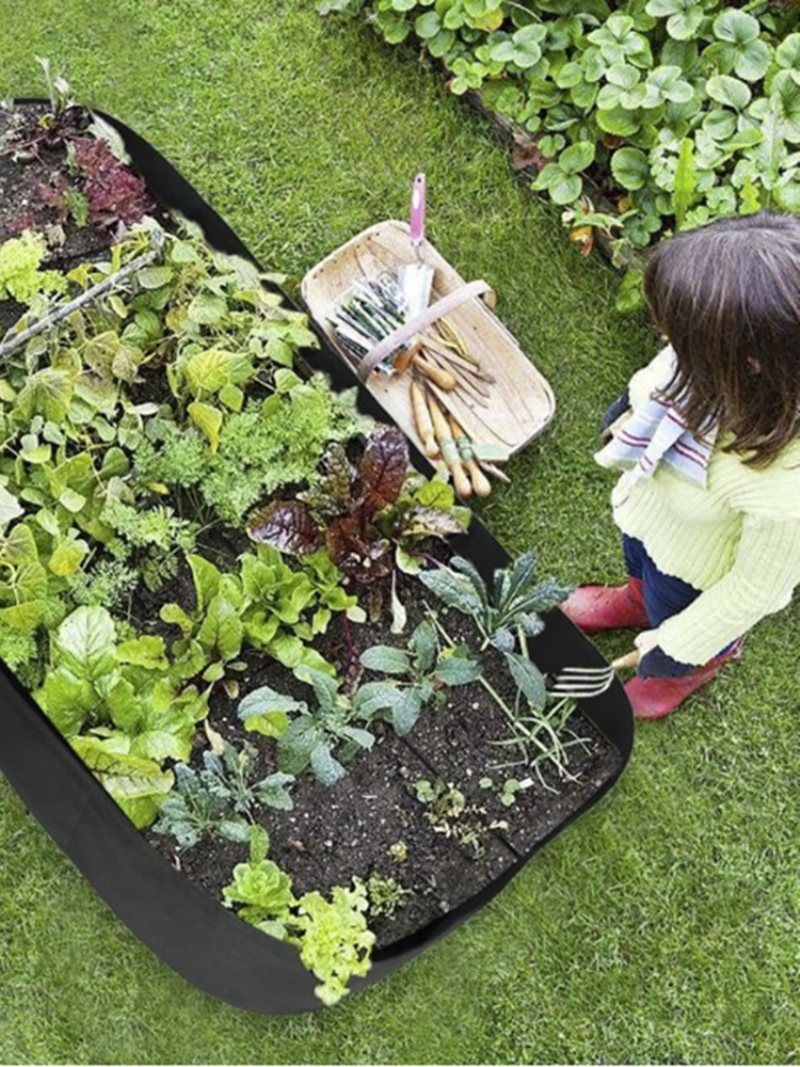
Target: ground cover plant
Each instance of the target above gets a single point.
(233, 596)
(649, 115)
(662, 924)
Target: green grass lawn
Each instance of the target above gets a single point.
(663, 926)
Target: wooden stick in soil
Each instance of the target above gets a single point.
(481, 486)
(447, 446)
(422, 418)
(11, 342)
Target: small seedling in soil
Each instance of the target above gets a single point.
(386, 895)
(427, 669)
(507, 792)
(450, 815)
(398, 851)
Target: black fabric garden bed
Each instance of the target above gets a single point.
(423, 809)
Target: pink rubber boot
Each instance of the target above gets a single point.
(653, 698)
(594, 608)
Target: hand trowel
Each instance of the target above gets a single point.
(416, 279)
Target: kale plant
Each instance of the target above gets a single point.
(513, 605)
(221, 798)
(321, 737)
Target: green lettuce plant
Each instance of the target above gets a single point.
(21, 276)
(265, 604)
(123, 693)
(332, 936)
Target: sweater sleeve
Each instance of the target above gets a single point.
(761, 581)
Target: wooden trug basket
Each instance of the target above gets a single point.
(521, 400)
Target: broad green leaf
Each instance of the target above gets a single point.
(457, 670)
(66, 558)
(728, 90)
(630, 168)
(146, 651)
(453, 589)
(386, 659)
(577, 157)
(325, 767)
(85, 643)
(138, 785)
(528, 678)
(208, 420)
(154, 277)
(424, 645)
(10, 508)
(264, 700)
(206, 309)
(207, 580)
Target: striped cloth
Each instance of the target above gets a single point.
(655, 433)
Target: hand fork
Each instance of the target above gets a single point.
(583, 683)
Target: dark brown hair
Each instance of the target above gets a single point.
(727, 297)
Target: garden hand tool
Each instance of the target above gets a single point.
(449, 450)
(416, 279)
(583, 683)
(422, 418)
(481, 486)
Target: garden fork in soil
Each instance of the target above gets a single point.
(584, 683)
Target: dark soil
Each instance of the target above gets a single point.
(21, 206)
(349, 829)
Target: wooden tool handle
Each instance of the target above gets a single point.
(481, 485)
(403, 361)
(447, 446)
(630, 660)
(443, 378)
(422, 418)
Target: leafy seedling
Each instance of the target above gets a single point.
(423, 671)
(321, 737)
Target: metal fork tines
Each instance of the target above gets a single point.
(582, 683)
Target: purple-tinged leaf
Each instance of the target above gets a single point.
(383, 468)
(286, 525)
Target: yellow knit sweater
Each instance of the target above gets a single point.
(737, 539)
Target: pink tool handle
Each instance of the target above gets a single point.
(418, 209)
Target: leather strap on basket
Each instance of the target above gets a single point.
(397, 338)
